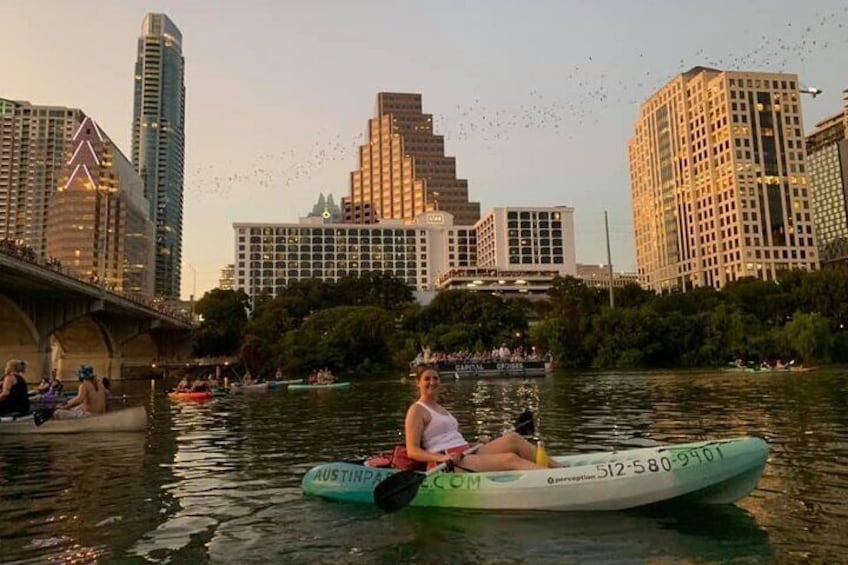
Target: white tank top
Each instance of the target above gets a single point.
(441, 433)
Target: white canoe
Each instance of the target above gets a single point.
(125, 420)
(708, 472)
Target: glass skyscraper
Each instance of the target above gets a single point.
(158, 141)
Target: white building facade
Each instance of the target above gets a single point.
(428, 253)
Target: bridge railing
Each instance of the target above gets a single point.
(20, 250)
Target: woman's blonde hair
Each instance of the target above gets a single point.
(15, 366)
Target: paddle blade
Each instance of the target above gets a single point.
(41, 416)
(524, 425)
(398, 490)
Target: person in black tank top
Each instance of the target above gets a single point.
(14, 399)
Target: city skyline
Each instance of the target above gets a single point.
(274, 116)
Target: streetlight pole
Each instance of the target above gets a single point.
(609, 263)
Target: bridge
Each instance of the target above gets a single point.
(55, 321)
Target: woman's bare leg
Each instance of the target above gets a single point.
(496, 462)
(513, 443)
(510, 443)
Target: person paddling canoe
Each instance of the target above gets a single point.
(13, 391)
(433, 437)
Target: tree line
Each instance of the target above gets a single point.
(372, 324)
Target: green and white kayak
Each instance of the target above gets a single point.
(345, 384)
(707, 472)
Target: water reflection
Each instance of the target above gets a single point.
(62, 496)
(220, 481)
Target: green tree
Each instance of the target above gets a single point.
(224, 314)
(809, 336)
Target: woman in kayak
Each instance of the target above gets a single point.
(432, 435)
(13, 392)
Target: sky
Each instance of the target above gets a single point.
(536, 99)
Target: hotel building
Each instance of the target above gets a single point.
(598, 276)
(403, 170)
(719, 181)
(98, 221)
(827, 159)
(158, 141)
(34, 145)
(509, 250)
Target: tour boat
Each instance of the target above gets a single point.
(705, 472)
(125, 420)
(491, 368)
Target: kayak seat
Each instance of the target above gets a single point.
(397, 458)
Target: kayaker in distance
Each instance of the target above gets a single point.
(190, 384)
(90, 399)
(14, 398)
(432, 435)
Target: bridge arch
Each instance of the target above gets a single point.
(84, 341)
(19, 338)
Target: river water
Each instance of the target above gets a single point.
(220, 481)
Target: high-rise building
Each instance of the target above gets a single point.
(719, 181)
(158, 141)
(34, 143)
(827, 158)
(98, 221)
(403, 170)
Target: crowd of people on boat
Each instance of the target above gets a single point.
(765, 365)
(50, 386)
(16, 400)
(496, 354)
(321, 377)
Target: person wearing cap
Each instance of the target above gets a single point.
(14, 399)
(90, 399)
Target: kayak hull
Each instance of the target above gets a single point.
(345, 384)
(191, 396)
(257, 387)
(274, 385)
(126, 420)
(711, 472)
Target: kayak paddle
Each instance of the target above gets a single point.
(397, 490)
(41, 416)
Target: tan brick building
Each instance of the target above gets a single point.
(719, 181)
(403, 170)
